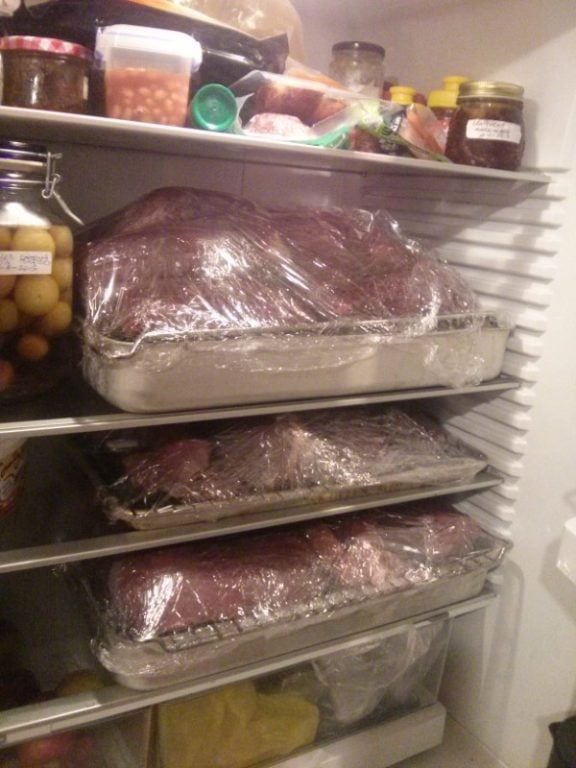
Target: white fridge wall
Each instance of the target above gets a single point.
(511, 671)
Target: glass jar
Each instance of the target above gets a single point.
(43, 73)
(487, 129)
(443, 105)
(359, 66)
(36, 272)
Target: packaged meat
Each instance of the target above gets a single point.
(180, 612)
(224, 302)
(180, 475)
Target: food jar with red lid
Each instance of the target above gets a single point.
(487, 128)
(37, 347)
(45, 73)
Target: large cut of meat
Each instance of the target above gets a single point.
(183, 260)
(354, 448)
(296, 571)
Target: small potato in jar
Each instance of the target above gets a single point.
(62, 272)
(33, 239)
(8, 316)
(5, 238)
(36, 295)
(32, 347)
(63, 240)
(57, 320)
(7, 282)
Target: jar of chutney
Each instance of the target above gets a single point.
(487, 128)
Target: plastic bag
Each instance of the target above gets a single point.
(188, 474)
(234, 727)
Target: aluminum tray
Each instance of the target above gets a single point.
(460, 469)
(146, 665)
(159, 374)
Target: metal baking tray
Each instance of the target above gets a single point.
(206, 370)
(218, 647)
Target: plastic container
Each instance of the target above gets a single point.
(359, 66)
(44, 73)
(11, 473)
(487, 129)
(36, 268)
(147, 73)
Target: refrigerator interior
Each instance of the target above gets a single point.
(510, 671)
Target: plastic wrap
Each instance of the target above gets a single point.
(182, 475)
(181, 261)
(194, 299)
(169, 612)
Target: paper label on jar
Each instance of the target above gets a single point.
(25, 262)
(494, 130)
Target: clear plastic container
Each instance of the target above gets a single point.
(44, 73)
(359, 66)
(147, 73)
(36, 272)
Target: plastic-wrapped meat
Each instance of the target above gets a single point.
(353, 448)
(297, 571)
(170, 468)
(179, 261)
(168, 590)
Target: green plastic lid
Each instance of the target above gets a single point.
(214, 107)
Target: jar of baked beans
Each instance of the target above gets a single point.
(36, 273)
(487, 128)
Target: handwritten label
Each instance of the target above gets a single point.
(493, 130)
(25, 262)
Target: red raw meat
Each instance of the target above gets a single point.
(170, 468)
(283, 574)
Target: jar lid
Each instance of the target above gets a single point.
(442, 99)
(402, 94)
(453, 82)
(43, 44)
(358, 45)
(487, 88)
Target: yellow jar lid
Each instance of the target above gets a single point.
(402, 94)
(443, 99)
(453, 82)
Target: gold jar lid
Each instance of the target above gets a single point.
(490, 89)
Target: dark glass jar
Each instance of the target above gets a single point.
(36, 273)
(487, 129)
(44, 73)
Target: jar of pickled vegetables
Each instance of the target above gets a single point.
(36, 272)
(487, 128)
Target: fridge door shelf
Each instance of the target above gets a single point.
(74, 408)
(106, 132)
(55, 715)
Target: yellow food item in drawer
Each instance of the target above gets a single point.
(234, 727)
